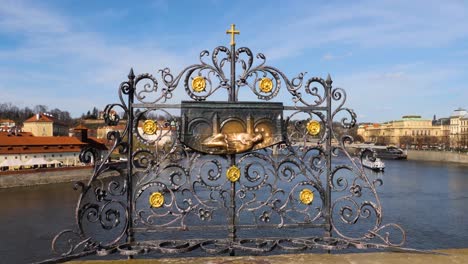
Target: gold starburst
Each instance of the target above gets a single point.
(306, 196)
(233, 173)
(198, 84)
(313, 127)
(149, 127)
(156, 199)
(266, 85)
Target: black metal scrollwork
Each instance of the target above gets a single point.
(308, 181)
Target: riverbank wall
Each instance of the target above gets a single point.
(10, 179)
(442, 156)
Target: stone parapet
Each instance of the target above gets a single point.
(441, 256)
(443, 156)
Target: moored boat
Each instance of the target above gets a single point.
(381, 151)
(390, 152)
(377, 164)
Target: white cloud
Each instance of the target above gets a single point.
(388, 93)
(17, 16)
(61, 58)
(368, 24)
(58, 54)
(330, 56)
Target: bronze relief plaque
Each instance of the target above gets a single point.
(230, 128)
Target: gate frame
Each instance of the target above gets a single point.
(80, 243)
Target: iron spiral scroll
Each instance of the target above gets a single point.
(309, 194)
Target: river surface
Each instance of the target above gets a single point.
(428, 199)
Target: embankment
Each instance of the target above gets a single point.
(443, 156)
(46, 176)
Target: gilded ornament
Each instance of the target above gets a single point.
(234, 142)
(198, 84)
(233, 173)
(306, 196)
(266, 85)
(149, 127)
(156, 199)
(313, 127)
(233, 32)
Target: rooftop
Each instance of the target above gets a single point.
(12, 134)
(12, 140)
(80, 127)
(27, 143)
(459, 112)
(6, 121)
(42, 117)
(413, 118)
(441, 121)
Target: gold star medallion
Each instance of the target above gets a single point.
(313, 127)
(266, 85)
(156, 199)
(233, 173)
(198, 84)
(149, 127)
(306, 196)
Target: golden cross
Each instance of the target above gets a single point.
(233, 31)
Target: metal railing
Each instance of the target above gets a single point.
(228, 187)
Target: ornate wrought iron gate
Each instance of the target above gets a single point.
(227, 177)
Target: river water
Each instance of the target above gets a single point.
(428, 199)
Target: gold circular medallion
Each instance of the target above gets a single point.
(233, 173)
(198, 84)
(313, 127)
(149, 127)
(156, 199)
(266, 85)
(306, 196)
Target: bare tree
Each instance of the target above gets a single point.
(407, 141)
(40, 109)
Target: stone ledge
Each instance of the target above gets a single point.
(448, 256)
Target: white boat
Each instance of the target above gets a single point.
(377, 165)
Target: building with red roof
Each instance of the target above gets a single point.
(6, 125)
(24, 150)
(45, 125)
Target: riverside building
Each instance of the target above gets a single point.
(411, 131)
(459, 128)
(23, 150)
(45, 125)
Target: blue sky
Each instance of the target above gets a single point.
(392, 57)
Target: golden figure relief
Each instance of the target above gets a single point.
(149, 127)
(156, 199)
(313, 127)
(233, 173)
(231, 128)
(198, 84)
(266, 85)
(306, 196)
(234, 142)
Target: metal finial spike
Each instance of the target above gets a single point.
(131, 75)
(329, 80)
